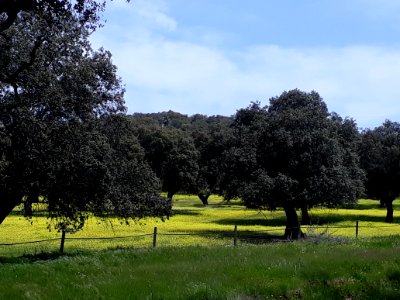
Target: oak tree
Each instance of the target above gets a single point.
(299, 156)
(53, 90)
(380, 158)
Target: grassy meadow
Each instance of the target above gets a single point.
(195, 225)
(200, 262)
(339, 269)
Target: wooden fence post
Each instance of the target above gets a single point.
(357, 229)
(155, 237)
(62, 242)
(235, 236)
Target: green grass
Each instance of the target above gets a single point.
(331, 264)
(363, 269)
(209, 226)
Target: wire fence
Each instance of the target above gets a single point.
(235, 235)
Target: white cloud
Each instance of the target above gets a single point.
(156, 14)
(356, 81)
(192, 77)
(141, 14)
(361, 82)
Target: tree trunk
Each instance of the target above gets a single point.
(28, 208)
(204, 197)
(170, 194)
(33, 197)
(382, 203)
(293, 229)
(305, 217)
(389, 211)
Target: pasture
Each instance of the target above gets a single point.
(339, 269)
(195, 259)
(194, 225)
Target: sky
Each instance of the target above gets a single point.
(217, 56)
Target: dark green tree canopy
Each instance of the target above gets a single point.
(294, 154)
(240, 159)
(211, 136)
(380, 158)
(169, 150)
(134, 186)
(186, 152)
(57, 132)
(52, 11)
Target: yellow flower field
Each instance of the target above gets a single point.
(194, 224)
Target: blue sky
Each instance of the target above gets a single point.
(216, 56)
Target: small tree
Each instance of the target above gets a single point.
(211, 136)
(179, 170)
(170, 152)
(380, 158)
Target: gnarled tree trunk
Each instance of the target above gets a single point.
(204, 197)
(389, 210)
(33, 197)
(170, 194)
(305, 217)
(293, 228)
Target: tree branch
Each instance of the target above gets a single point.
(12, 78)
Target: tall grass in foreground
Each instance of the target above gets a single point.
(314, 269)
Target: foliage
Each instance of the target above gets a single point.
(52, 95)
(179, 170)
(212, 136)
(187, 153)
(170, 152)
(380, 158)
(294, 154)
(51, 11)
(134, 186)
(241, 154)
(166, 119)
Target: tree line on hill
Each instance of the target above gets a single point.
(65, 138)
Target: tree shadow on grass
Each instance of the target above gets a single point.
(316, 219)
(279, 221)
(250, 237)
(219, 205)
(175, 212)
(370, 206)
(31, 258)
(362, 206)
(184, 212)
(246, 236)
(36, 213)
(336, 218)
